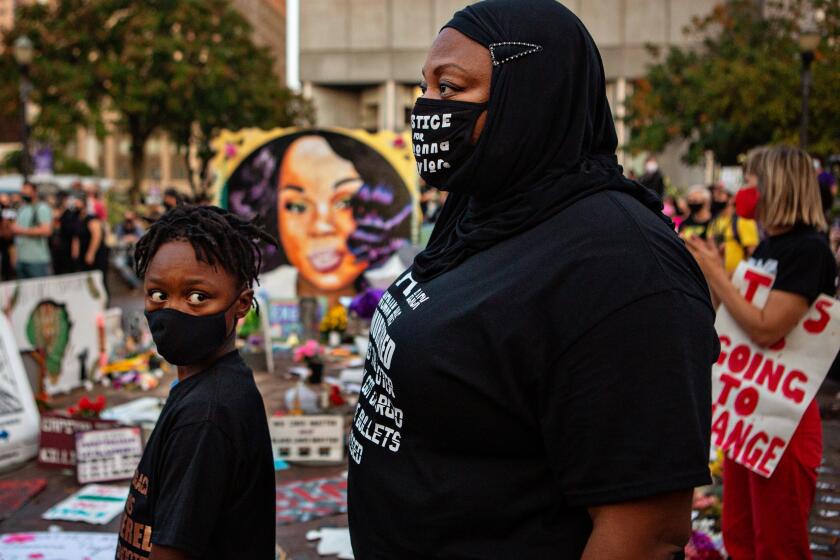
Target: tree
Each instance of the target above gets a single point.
(742, 88)
(221, 81)
(153, 65)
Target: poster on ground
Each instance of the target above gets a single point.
(760, 394)
(96, 504)
(341, 202)
(54, 320)
(61, 545)
(18, 413)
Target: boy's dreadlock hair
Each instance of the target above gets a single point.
(217, 236)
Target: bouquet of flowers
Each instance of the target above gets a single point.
(364, 304)
(87, 408)
(309, 353)
(701, 547)
(335, 320)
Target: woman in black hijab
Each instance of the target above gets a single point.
(537, 384)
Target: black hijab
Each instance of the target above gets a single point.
(549, 138)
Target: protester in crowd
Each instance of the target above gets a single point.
(7, 239)
(65, 228)
(172, 198)
(768, 518)
(538, 382)
(720, 199)
(128, 233)
(204, 487)
(828, 188)
(737, 237)
(95, 205)
(89, 249)
(652, 177)
(698, 201)
(32, 231)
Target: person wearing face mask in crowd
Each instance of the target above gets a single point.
(720, 198)
(128, 232)
(736, 237)
(204, 487)
(652, 177)
(32, 231)
(66, 228)
(767, 518)
(699, 202)
(513, 404)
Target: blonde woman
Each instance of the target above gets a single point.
(768, 518)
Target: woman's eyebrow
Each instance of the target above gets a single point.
(447, 65)
(345, 180)
(293, 187)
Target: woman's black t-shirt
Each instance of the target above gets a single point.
(205, 484)
(567, 367)
(801, 260)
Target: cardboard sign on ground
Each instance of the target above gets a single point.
(760, 394)
(107, 455)
(299, 502)
(95, 503)
(308, 438)
(58, 438)
(63, 545)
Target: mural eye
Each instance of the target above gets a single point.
(296, 207)
(157, 296)
(342, 204)
(196, 298)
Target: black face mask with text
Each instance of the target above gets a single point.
(441, 135)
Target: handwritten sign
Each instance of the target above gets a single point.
(58, 439)
(107, 455)
(18, 414)
(308, 438)
(65, 545)
(760, 394)
(95, 503)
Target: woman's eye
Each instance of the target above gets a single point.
(296, 207)
(342, 204)
(157, 296)
(423, 87)
(196, 298)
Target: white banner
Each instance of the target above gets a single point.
(18, 414)
(760, 394)
(54, 318)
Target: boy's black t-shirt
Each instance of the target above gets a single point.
(567, 367)
(801, 260)
(205, 484)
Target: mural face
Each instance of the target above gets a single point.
(335, 202)
(315, 214)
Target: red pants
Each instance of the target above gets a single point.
(767, 518)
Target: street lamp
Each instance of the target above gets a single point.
(24, 53)
(809, 40)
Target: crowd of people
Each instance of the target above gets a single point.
(70, 231)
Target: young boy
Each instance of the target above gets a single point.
(205, 485)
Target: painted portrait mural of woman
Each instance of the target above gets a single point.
(337, 205)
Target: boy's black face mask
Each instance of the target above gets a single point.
(183, 339)
(441, 134)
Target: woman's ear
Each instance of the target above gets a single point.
(244, 303)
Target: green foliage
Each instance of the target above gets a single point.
(174, 65)
(742, 88)
(62, 164)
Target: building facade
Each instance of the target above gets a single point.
(360, 60)
(164, 165)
